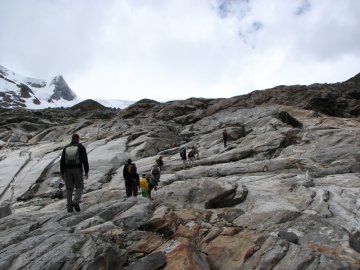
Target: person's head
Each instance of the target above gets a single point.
(160, 157)
(75, 138)
(129, 161)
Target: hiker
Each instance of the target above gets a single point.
(73, 163)
(225, 137)
(153, 184)
(144, 186)
(183, 156)
(191, 157)
(131, 177)
(155, 172)
(160, 162)
(196, 149)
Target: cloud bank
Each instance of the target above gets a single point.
(164, 50)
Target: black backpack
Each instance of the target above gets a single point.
(132, 170)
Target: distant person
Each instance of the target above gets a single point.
(153, 184)
(183, 156)
(225, 137)
(144, 186)
(155, 172)
(191, 157)
(196, 149)
(73, 163)
(131, 177)
(160, 163)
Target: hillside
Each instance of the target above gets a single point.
(283, 194)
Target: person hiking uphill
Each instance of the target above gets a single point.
(183, 156)
(155, 172)
(191, 157)
(153, 178)
(144, 186)
(73, 163)
(153, 184)
(225, 137)
(131, 177)
(160, 162)
(197, 153)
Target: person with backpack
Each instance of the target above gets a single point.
(155, 172)
(154, 178)
(73, 163)
(225, 137)
(144, 186)
(132, 181)
(191, 157)
(160, 162)
(153, 184)
(183, 156)
(197, 153)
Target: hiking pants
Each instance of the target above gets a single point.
(144, 193)
(225, 141)
(149, 191)
(131, 188)
(73, 178)
(184, 162)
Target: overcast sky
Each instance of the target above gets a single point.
(176, 49)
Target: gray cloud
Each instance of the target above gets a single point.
(132, 49)
(237, 8)
(304, 7)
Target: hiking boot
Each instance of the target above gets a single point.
(76, 207)
(70, 210)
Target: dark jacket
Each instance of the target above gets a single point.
(131, 177)
(183, 153)
(160, 163)
(83, 159)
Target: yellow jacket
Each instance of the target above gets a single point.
(144, 185)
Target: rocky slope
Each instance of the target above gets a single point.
(284, 193)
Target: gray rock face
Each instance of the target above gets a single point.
(284, 193)
(62, 90)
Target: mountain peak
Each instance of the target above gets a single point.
(61, 90)
(17, 91)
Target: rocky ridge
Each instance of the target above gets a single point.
(284, 194)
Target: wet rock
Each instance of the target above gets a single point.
(288, 236)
